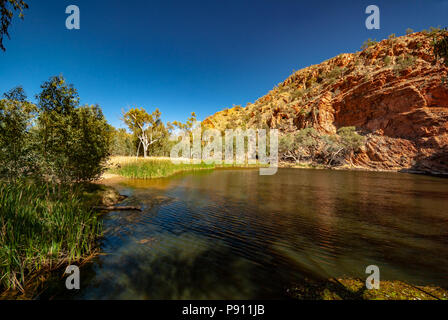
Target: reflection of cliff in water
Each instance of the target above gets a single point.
(233, 234)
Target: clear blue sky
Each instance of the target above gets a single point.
(183, 56)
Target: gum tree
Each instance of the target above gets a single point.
(148, 128)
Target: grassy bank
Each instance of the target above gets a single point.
(42, 229)
(149, 168)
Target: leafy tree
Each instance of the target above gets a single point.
(74, 141)
(350, 141)
(311, 146)
(123, 143)
(7, 8)
(148, 128)
(440, 46)
(188, 126)
(163, 145)
(57, 102)
(89, 143)
(300, 146)
(16, 149)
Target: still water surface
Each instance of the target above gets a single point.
(233, 234)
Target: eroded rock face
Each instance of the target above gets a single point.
(391, 92)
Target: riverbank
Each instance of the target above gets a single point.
(158, 167)
(161, 167)
(44, 228)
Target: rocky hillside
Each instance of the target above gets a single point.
(392, 92)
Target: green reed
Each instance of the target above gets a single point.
(159, 168)
(156, 168)
(41, 229)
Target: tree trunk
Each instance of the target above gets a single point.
(145, 150)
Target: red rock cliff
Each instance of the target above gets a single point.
(392, 92)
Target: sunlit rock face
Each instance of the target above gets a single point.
(392, 92)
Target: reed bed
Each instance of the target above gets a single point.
(151, 168)
(158, 167)
(42, 229)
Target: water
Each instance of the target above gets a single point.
(233, 234)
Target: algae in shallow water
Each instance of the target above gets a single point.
(355, 289)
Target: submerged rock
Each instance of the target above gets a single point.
(355, 289)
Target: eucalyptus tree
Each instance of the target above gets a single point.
(148, 128)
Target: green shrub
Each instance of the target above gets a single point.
(404, 62)
(350, 139)
(16, 147)
(335, 73)
(74, 141)
(368, 43)
(308, 145)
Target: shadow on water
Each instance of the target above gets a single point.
(193, 269)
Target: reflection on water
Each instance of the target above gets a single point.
(233, 234)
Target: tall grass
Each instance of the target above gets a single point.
(156, 168)
(41, 230)
(159, 167)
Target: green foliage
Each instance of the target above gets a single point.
(368, 43)
(44, 224)
(335, 73)
(75, 141)
(387, 60)
(188, 125)
(123, 143)
(89, 143)
(154, 168)
(308, 145)
(440, 44)
(163, 145)
(404, 62)
(409, 31)
(40, 229)
(16, 148)
(7, 9)
(56, 141)
(350, 139)
(147, 128)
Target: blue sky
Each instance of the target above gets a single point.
(183, 56)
